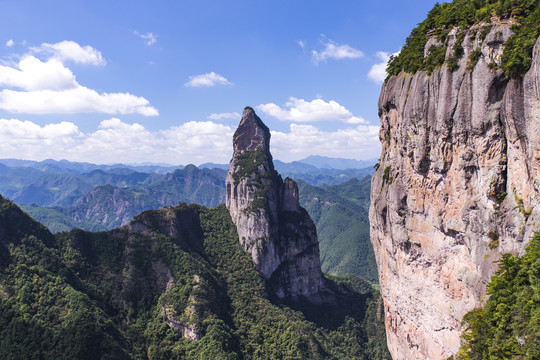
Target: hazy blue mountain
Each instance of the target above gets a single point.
(64, 188)
(118, 197)
(214, 166)
(64, 166)
(15, 179)
(311, 174)
(324, 162)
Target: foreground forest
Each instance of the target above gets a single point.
(174, 284)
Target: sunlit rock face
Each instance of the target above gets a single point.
(457, 186)
(272, 227)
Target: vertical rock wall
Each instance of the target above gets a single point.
(272, 227)
(456, 187)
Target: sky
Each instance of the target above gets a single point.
(166, 81)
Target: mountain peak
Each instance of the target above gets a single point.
(278, 234)
(252, 134)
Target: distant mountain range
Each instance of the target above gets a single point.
(65, 195)
(323, 162)
(310, 163)
(64, 166)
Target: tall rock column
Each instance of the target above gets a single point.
(272, 227)
(456, 187)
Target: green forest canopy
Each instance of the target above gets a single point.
(517, 53)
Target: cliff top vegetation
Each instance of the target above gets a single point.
(517, 53)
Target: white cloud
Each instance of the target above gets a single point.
(149, 37)
(302, 44)
(304, 140)
(33, 74)
(25, 139)
(117, 141)
(27, 130)
(34, 86)
(299, 110)
(71, 51)
(10, 43)
(207, 80)
(72, 101)
(377, 73)
(200, 142)
(333, 50)
(221, 116)
(192, 142)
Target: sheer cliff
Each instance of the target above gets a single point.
(457, 184)
(272, 227)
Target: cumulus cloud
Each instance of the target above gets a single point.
(72, 101)
(221, 116)
(27, 130)
(10, 43)
(36, 86)
(70, 51)
(25, 138)
(192, 142)
(149, 37)
(117, 141)
(207, 80)
(300, 110)
(333, 50)
(304, 140)
(377, 73)
(33, 74)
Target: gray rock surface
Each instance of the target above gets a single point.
(272, 227)
(457, 186)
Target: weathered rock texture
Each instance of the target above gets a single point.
(454, 144)
(272, 227)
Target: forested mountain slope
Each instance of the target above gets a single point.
(174, 284)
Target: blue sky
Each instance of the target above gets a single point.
(165, 81)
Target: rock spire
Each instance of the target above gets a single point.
(272, 227)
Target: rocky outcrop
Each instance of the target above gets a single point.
(272, 227)
(457, 186)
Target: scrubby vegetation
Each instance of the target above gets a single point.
(508, 327)
(517, 53)
(248, 163)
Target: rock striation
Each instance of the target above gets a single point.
(272, 227)
(457, 186)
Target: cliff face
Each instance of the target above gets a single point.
(457, 186)
(272, 227)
